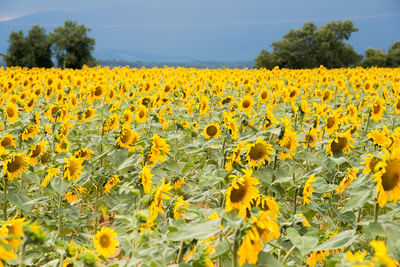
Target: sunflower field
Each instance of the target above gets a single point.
(189, 167)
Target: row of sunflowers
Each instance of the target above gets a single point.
(190, 167)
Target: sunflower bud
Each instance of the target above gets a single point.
(88, 258)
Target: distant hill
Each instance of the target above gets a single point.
(144, 31)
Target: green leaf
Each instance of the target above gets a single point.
(191, 231)
(59, 185)
(267, 260)
(304, 243)
(341, 240)
(358, 197)
(20, 200)
(129, 163)
(375, 228)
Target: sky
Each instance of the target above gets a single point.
(207, 29)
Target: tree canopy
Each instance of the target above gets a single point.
(310, 47)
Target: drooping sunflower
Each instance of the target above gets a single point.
(36, 151)
(11, 112)
(258, 153)
(377, 109)
(13, 227)
(159, 149)
(30, 131)
(387, 177)
(343, 142)
(347, 180)
(83, 153)
(146, 179)
(112, 123)
(308, 190)
(236, 155)
(241, 192)
(16, 165)
(231, 126)
(179, 203)
(381, 138)
(161, 193)
(72, 168)
(105, 242)
(111, 182)
(288, 140)
(266, 204)
(51, 173)
(212, 131)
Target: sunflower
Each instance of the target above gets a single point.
(83, 153)
(332, 123)
(178, 211)
(161, 193)
(226, 101)
(312, 137)
(343, 142)
(266, 204)
(125, 137)
(246, 104)
(111, 183)
(159, 149)
(15, 166)
(231, 125)
(73, 168)
(88, 114)
(236, 155)
(241, 192)
(105, 242)
(179, 183)
(51, 173)
(13, 227)
(62, 145)
(381, 258)
(369, 162)
(112, 123)
(263, 97)
(258, 153)
(36, 151)
(381, 138)
(203, 104)
(53, 113)
(127, 117)
(308, 190)
(146, 179)
(347, 180)
(7, 140)
(30, 132)
(30, 104)
(142, 114)
(98, 91)
(212, 131)
(288, 140)
(397, 106)
(11, 112)
(377, 110)
(387, 177)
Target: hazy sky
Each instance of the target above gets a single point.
(204, 29)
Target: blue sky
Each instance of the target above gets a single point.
(205, 29)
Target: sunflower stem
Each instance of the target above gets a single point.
(235, 249)
(22, 254)
(295, 201)
(180, 253)
(59, 216)
(376, 211)
(288, 254)
(5, 198)
(96, 208)
(394, 120)
(223, 153)
(366, 127)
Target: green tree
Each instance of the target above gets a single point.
(265, 59)
(394, 55)
(310, 47)
(375, 57)
(30, 51)
(72, 46)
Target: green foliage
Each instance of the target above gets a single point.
(72, 45)
(30, 51)
(394, 55)
(375, 57)
(310, 47)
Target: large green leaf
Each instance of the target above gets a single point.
(341, 240)
(358, 196)
(189, 231)
(304, 243)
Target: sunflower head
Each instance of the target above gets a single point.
(15, 166)
(342, 143)
(212, 131)
(7, 140)
(258, 153)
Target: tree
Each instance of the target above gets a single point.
(310, 47)
(72, 46)
(394, 55)
(265, 60)
(30, 51)
(375, 57)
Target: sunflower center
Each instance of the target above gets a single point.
(257, 152)
(104, 241)
(6, 142)
(36, 152)
(376, 108)
(264, 95)
(331, 122)
(125, 136)
(98, 91)
(10, 112)
(141, 114)
(309, 138)
(391, 178)
(238, 194)
(373, 163)
(15, 164)
(292, 93)
(353, 130)
(339, 145)
(246, 103)
(398, 105)
(326, 96)
(211, 130)
(226, 100)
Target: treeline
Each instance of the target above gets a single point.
(310, 47)
(69, 44)
(191, 64)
